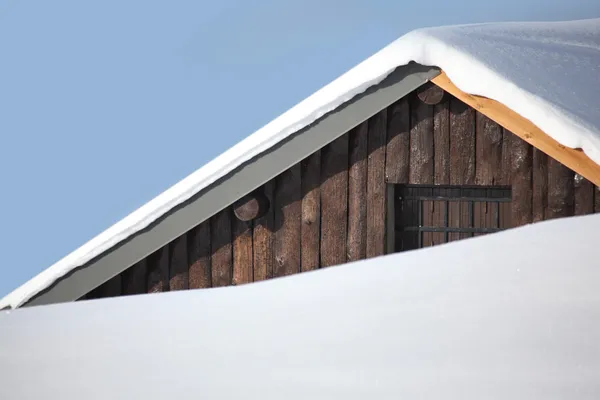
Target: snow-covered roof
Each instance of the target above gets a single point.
(514, 315)
(549, 72)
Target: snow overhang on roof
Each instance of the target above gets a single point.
(548, 72)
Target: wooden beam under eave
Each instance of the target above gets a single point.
(575, 159)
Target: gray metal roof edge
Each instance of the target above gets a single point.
(236, 184)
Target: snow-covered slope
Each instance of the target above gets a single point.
(547, 72)
(514, 315)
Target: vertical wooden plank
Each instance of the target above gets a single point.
(264, 228)
(311, 212)
(376, 194)
(584, 196)
(397, 157)
(221, 247)
(506, 179)
(199, 254)
(178, 264)
(134, 278)
(441, 139)
(158, 271)
(421, 158)
(242, 252)
(488, 151)
(112, 287)
(288, 225)
(597, 199)
(462, 160)
(561, 190)
(488, 166)
(441, 162)
(521, 161)
(334, 201)
(357, 193)
(540, 185)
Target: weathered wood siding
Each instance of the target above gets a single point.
(331, 207)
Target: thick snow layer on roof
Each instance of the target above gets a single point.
(547, 72)
(512, 315)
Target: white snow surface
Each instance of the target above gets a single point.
(514, 315)
(549, 72)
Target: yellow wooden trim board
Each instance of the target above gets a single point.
(575, 159)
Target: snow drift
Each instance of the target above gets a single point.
(513, 315)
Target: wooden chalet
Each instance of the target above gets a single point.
(410, 163)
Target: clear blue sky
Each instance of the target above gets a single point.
(105, 104)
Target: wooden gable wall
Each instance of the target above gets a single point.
(331, 207)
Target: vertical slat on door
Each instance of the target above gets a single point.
(311, 212)
(561, 191)
(158, 271)
(584, 195)
(288, 225)
(199, 255)
(134, 278)
(441, 162)
(242, 251)
(488, 167)
(178, 264)
(357, 193)
(462, 160)
(264, 228)
(521, 164)
(334, 201)
(376, 193)
(540, 185)
(421, 159)
(221, 248)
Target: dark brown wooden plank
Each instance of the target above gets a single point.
(441, 160)
(462, 160)
(540, 185)
(135, 278)
(112, 287)
(288, 224)
(158, 271)
(506, 176)
(584, 196)
(264, 229)
(441, 139)
(421, 158)
(397, 157)
(488, 151)
(199, 255)
(221, 247)
(357, 193)
(561, 190)
(488, 167)
(178, 264)
(242, 252)
(376, 185)
(597, 199)
(311, 212)
(521, 163)
(334, 201)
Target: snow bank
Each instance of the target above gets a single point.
(547, 72)
(514, 315)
